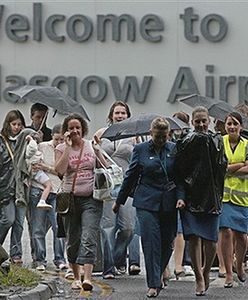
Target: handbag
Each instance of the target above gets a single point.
(106, 180)
(65, 200)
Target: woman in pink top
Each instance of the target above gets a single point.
(82, 225)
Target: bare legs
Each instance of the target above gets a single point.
(227, 248)
(209, 250)
(195, 250)
(222, 270)
(201, 272)
(227, 252)
(88, 268)
(178, 253)
(76, 271)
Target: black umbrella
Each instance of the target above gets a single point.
(217, 109)
(137, 126)
(51, 97)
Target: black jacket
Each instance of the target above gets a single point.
(47, 133)
(201, 165)
(7, 179)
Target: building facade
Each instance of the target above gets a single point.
(148, 53)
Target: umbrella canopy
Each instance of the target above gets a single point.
(138, 125)
(216, 109)
(51, 97)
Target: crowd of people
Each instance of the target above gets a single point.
(184, 190)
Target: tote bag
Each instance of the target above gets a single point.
(107, 180)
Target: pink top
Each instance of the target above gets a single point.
(85, 175)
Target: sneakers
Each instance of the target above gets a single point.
(108, 276)
(134, 270)
(40, 268)
(43, 205)
(16, 261)
(121, 270)
(188, 271)
(62, 267)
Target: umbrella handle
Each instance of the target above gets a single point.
(43, 121)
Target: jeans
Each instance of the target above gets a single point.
(134, 246)
(39, 219)
(158, 231)
(116, 233)
(12, 217)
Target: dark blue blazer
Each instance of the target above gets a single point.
(155, 190)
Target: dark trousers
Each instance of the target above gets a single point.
(158, 231)
(82, 228)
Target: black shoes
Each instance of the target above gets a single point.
(179, 274)
(134, 270)
(242, 278)
(153, 293)
(228, 285)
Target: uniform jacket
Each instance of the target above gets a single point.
(155, 190)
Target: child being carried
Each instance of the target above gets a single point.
(33, 158)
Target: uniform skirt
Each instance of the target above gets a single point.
(234, 217)
(204, 226)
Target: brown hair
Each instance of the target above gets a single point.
(38, 107)
(11, 116)
(181, 115)
(75, 116)
(235, 116)
(113, 106)
(242, 108)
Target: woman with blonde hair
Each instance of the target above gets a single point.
(157, 194)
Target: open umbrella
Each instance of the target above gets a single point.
(51, 97)
(216, 109)
(137, 126)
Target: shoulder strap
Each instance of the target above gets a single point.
(8, 148)
(104, 153)
(75, 175)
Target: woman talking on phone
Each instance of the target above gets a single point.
(77, 155)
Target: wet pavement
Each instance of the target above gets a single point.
(127, 287)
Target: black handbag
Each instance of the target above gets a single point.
(65, 200)
(64, 203)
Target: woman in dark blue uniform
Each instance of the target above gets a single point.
(156, 196)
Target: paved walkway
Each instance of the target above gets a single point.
(130, 287)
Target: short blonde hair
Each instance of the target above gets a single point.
(160, 123)
(199, 109)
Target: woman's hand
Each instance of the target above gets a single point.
(96, 144)
(29, 138)
(180, 204)
(115, 207)
(68, 140)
